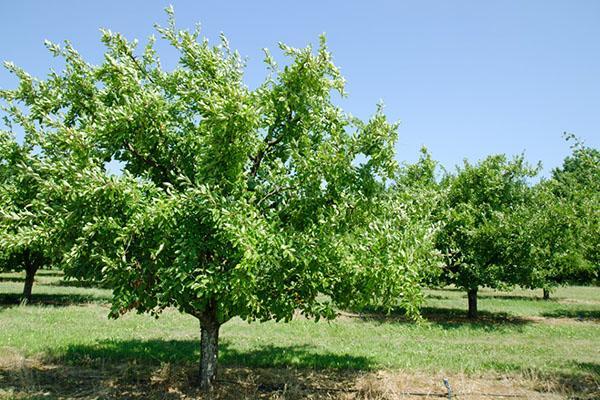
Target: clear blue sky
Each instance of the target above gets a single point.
(465, 78)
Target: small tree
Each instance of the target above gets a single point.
(577, 183)
(543, 237)
(479, 200)
(550, 239)
(231, 202)
(22, 247)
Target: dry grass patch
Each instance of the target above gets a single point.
(32, 379)
(410, 385)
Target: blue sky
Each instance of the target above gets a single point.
(465, 78)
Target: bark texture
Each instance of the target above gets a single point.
(30, 270)
(546, 294)
(472, 295)
(209, 348)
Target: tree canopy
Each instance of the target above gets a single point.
(255, 203)
(577, 182)
(25, 242)
(477, 208)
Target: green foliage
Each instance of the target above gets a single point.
(249, 203)
(543, 238)
(420, 175)
(419, 190)
(25, 238)
(479, 214)
(578, 183)
(552, 238)
(580, 169)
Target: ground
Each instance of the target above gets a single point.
(63, 346)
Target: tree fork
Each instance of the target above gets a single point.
(472, 295)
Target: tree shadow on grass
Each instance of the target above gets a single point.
(16, 279)
(516, 297)
(582, 382)
(139, 369)
(8, 300)
(161, 351)
(50, 272)
(579, 314)
(448, 318)
(77, 283)
(437, 297)
(575, 380)
(156, 369)
(594, 368)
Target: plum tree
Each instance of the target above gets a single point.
(476, 210)
(21, 248)
(231, 202)
(577, 183)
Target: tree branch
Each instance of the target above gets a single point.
(270, 143)
(275, 191)
(148, 160)
(139, 67)
(261, 154)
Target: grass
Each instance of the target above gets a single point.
(550, 347)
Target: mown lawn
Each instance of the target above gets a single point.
(551, 348)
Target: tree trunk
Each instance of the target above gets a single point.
(472, 294)
(209, 349)
(30, 270)
(546, 294)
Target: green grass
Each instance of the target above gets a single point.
(518, 333)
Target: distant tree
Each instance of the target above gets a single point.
(552, 239)
(231, 201)
(577, 182)
(543, 237)
(22, 247)
(581, 168)
(479, 200)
